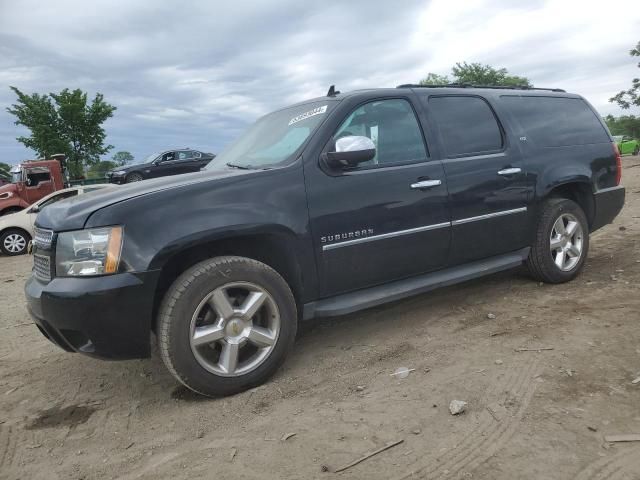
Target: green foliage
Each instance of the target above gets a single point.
(5, 170)
(435, 79)
(477, 74)
(122, 158)
(624, 125)
(629, 97)
(98, 169)
(64, 123)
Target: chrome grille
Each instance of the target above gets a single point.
(42, 267)
(42, 238)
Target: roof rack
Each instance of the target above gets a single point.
(469, 85)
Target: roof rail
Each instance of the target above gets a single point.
(469, 85)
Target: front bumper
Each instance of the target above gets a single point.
(118, 179)
(106, 317)
(608, 203)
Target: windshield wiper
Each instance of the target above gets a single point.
(241, 167)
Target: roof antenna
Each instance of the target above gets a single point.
(332, 91)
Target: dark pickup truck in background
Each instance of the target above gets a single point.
(324, 208)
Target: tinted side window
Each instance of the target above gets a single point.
(556, 121)
(467, 125)
(392, 126)
(185, 155)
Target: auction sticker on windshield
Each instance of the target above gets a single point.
(310, 113)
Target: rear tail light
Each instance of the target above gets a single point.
(618, 164)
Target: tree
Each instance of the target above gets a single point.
(435, 79)
(64, 123)
(5, 171)
(98, 169)
(624, 125)
(478, 74)
(626, 98)
(122, 158)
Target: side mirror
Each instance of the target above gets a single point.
(35, 209)
(350, 151)
(28, 182)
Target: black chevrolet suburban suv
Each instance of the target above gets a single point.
(320, 209)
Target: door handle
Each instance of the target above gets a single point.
(426, 184)
(509, 171)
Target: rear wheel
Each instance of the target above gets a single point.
(14, 242)
(133, 177)
(226, 324)
(561, 243)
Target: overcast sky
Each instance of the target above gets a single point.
(195, 73)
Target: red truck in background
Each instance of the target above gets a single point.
(30, 181)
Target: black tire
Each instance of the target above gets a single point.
(13, 233)
(540, 263)
(133, 177)
(636, 150)
(181, 302)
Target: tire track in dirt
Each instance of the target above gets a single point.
(489, 435)
(621, 465)
(8, 445)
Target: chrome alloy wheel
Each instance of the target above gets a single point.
(15, 243)
(566, 242)
(234, 329)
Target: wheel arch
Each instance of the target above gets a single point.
(274, 247)
(580, 191)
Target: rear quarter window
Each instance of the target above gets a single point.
(556, 121)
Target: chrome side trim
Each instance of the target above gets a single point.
(488, 215)
(372, 238)
(426, 228)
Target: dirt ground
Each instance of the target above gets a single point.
(531, 414)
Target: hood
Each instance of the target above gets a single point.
(73, 213)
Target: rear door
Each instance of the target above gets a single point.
(386, 219)
(187, 162)
(487, 179)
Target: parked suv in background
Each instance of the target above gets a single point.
(171, 162)
(320, 209)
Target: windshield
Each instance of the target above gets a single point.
(147, 159)
(274, 138)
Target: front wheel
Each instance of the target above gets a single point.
(133, 177)
(226, 325)
(14, 242)
(561, 243)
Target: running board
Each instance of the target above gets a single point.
(370, 297)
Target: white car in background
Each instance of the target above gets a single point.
(16, 229)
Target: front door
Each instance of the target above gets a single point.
(168, 165)
(38, 183)
(486, 177)
(386, 219)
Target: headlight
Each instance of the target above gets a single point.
(119, 172)
(88, 252)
